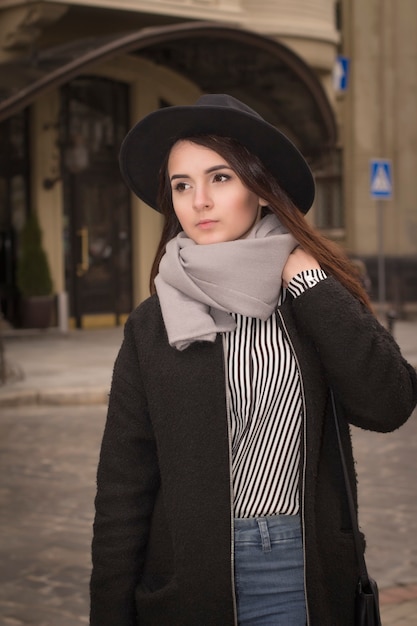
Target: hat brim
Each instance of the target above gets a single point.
(146, 145)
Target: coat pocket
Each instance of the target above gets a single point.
(156, 606)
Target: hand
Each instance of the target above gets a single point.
(297, 262)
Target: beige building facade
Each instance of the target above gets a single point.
(75, 76)
(378, 119)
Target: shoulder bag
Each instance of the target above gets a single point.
(367, 598)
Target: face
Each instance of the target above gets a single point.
(210, 201)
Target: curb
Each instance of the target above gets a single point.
(67, 396)
(60, 396)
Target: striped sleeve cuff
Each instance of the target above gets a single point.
(305, 280)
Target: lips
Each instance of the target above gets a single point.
(206, 223)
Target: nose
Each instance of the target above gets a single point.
(202, 200)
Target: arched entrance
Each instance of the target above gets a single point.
(216, 57)
(211, 58)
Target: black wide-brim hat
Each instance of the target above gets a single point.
(148, 142)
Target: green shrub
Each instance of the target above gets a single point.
(33, 273)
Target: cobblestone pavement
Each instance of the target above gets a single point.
(386, 466)
(48, 458)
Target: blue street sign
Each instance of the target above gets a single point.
(381, 178)
(341, 73)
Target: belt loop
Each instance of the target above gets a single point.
(264, 532)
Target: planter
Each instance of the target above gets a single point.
(36, 312)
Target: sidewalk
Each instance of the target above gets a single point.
(47, 368)
(50, 368)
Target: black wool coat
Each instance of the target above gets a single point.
(162, 546)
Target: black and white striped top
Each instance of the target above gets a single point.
(266, 410)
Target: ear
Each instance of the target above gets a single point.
(262, 203)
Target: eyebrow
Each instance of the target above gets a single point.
(215, 168)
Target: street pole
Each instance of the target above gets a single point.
(381, 255)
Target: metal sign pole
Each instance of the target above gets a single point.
(381, 189)
(381, 256)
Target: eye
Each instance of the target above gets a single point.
(221, 178)
(181, 186)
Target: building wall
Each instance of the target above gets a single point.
(378, 120)
(301, 19)
(45, 164)
(379, 116)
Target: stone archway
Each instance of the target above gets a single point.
(263, 72)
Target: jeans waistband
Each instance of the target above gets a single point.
(267, 529)
(272, 521)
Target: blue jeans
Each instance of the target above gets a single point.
(269, 571)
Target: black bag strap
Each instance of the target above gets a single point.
(352, 509)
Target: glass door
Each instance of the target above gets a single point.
(14, 208)
(97, 224)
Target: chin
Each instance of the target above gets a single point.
(207, 238)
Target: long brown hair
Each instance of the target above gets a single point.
(257, 178)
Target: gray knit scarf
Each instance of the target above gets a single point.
(200, 285)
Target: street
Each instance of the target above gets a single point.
(48, 459)
(386, 466)
(48, 464)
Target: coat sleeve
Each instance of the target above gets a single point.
(127, 482)
(362, 362)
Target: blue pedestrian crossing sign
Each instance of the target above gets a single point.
(381, 178)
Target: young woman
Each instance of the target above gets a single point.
(220, 495)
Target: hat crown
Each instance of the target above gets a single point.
(224, 100)
(146, 145)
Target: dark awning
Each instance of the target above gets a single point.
(217, 57)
